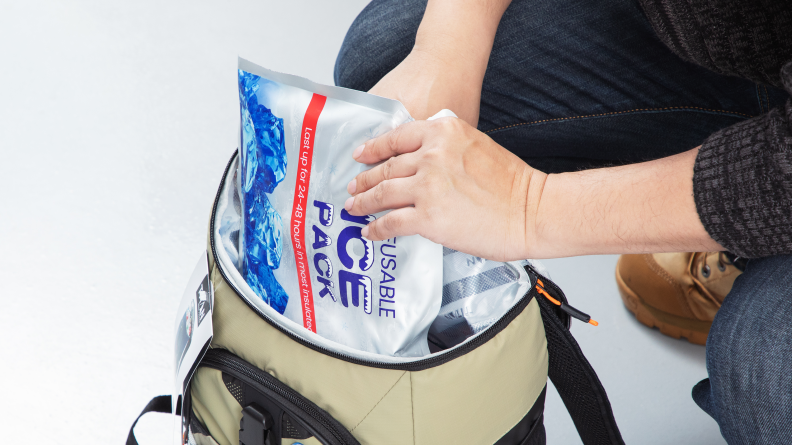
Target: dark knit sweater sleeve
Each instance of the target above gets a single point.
(746, 38)
(742, 183)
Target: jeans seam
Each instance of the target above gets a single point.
(759, 98)
(636, 110)
(767, 99)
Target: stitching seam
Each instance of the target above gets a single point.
(767, 98)
(650, 261)
(759, 98)
(412, 407)
(654, 267)
(614, 113)
(380, 400)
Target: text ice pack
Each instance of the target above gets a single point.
(300, 251)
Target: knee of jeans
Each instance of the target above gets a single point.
(381, 36)
(702, 396)
(729, 361)
(747, 348)
(748, 355)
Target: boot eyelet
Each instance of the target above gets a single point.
(721, 267)
(705, 271)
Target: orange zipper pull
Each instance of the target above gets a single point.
(572, 312)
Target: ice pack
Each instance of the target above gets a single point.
(299, 250)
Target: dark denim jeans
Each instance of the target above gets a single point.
(577, 84)
(571, 83)
(749, 352)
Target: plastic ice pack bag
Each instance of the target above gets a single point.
(303, 254)
(299, 250)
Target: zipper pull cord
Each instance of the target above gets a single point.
(572, 312)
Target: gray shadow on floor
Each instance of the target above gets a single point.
(647, 375)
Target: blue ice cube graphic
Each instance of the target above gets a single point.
(263, 227)
(262, 137)
(259, 277)
(248, 151)
(263, 167)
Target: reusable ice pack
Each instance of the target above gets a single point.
(299, 250)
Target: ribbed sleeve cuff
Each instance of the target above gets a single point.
(742, 185)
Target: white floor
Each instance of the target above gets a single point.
(116, 120)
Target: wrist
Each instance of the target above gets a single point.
(439, 83)
(553, 206)
(533, 228)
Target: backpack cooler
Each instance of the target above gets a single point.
(260, 383)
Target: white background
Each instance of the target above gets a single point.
(116, 121)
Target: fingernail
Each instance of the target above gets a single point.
(364, 232)
(348, 203)
(352, 186)
(358, 151)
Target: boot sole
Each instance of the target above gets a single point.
(694, 331)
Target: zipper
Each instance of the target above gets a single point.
(418, 365)
(321, 424)
(555, 292)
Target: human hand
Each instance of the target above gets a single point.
(450, 183)
(425, 84)
(447, 64)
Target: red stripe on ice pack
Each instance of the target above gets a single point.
(301, 204)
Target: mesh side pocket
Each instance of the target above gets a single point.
(234, 386)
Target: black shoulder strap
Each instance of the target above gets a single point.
(576, 381)
(159, 404)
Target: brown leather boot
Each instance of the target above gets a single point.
(679, 293)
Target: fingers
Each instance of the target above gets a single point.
(392, 194)
(405, 138)
(401, 222)
(398, 167)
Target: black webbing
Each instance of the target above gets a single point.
(577, 383)
(159, 404)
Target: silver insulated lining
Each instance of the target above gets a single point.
(476, 293)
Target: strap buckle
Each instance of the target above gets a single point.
(255, 425)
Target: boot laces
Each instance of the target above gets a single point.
(699, 261)
(706, 271)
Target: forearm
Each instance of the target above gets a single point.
(460, 31)
(446, 67)
(639, 208)
(454, 41)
